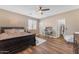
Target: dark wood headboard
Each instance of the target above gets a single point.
(3, 28)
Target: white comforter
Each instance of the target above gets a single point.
(5, 36)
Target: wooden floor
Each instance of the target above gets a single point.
(51, 46)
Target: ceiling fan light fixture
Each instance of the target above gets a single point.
(41, 12)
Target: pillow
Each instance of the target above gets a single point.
(10, 31)
(7, 30)
(14, 30)
(19, 30)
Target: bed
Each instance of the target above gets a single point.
(14, 42)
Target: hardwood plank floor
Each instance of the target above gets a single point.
(51, 46)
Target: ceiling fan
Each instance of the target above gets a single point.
(41, 10)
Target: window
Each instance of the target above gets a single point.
(32, 24)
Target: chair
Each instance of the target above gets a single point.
(48, 31)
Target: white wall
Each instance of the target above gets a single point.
(50, 23)
(71, 18)
(12, 19)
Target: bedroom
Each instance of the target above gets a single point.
(53, 29)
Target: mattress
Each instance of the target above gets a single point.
(5, 36)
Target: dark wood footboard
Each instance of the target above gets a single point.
(14, 45)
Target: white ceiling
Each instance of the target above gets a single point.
(32, 10)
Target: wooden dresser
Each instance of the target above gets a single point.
(76, 43)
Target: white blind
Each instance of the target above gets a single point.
(32, 24)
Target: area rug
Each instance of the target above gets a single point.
(39, 41)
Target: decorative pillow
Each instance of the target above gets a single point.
(10, 31)
(7, 30)
(14, 30)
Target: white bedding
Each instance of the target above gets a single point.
(5, 36)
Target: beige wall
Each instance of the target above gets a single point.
(8, 18)
(71, 17)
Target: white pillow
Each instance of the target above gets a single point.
(10, 31)
(19, 30)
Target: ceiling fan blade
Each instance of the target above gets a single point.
(45, 9)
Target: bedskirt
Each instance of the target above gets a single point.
(14, 45)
